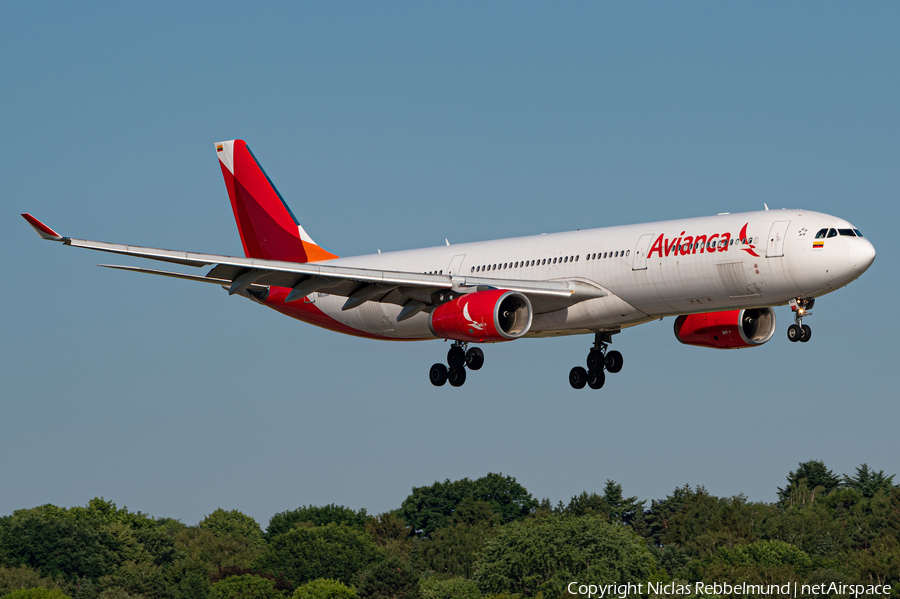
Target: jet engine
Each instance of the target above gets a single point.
(733, 329)
(483, 317)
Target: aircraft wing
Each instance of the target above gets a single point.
(414, 291)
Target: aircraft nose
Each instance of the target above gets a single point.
(861, 254)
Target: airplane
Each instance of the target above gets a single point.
(718, 275)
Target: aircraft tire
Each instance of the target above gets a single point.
(457, 377)
(474, 358)
(595, 361)
(578, 377)
(807, 333)
(794, 332)
(438, 375)
(596, 379)
(614, 361)
(456, 358)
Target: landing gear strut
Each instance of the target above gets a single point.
(800, 307)
(458, 359)
(598, 360)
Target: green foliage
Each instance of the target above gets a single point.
(452, 550)
(324, 588)
(63, 546)
(246, 586)
(432, 507)
(544, 555)
(868, 482)
(814, 474)
(334, 551)
(194, 586)
(449, 588)
(613, 505)
(390, 579)
(232, 524)
(24, 577)
(36, 593)
(317, 516)
(202, 549)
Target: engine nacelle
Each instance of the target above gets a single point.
(483, 316)
(726, 330)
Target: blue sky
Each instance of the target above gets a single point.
(393, 126)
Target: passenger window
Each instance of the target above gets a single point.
(846, 232)
(566, 259)
(576, 258)
(628, 253)
(832, 233)
(617, 255)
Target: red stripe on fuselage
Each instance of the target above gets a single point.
(308, 312)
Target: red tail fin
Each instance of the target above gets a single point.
(267, 226)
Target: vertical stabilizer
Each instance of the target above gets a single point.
(267, 226)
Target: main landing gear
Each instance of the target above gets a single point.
(458, 359)
(598, 359)
(800, 307)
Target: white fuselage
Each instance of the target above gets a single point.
(648, 271)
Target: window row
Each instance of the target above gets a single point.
(547, 261)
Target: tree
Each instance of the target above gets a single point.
(612, 504)
(334, 551)
(390, 579)
(449, 588)
(71, 548)
(662, 512)
(204, 550)
(324, 588)
(36, 593)
(194, 586)
(25, 577)
(815, 475)
(318, 516)
(246, 587)
(432, 507)
(544, 555)
(868, 482)
(232, 524)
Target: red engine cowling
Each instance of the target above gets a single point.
(726, 330)
(483, 316)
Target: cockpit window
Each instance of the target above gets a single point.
(821, 234)
(832, 233)
(858, 234)
(847, 232)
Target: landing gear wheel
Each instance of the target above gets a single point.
(457, 378)
(807, 333)
(595, 361)
(614, 362)
(578, 377)
(456, 358)
(438, 375)
(794, 333)
(474, 358)
(596, 379)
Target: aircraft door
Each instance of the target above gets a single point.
(640, 252)
(775, 247)
(453, 269)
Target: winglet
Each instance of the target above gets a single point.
(43, 230)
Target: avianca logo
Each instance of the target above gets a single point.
(478, 326)
(685, 245)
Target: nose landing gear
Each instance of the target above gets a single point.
(598, 360)
(458, 359)
(800, 307)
